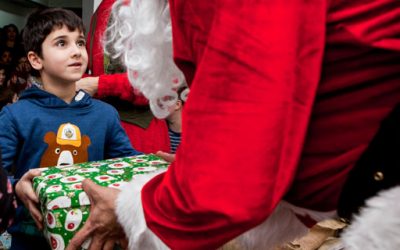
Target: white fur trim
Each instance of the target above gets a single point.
(378, 225)
(131, 217)
(280, 227)
(141, 37)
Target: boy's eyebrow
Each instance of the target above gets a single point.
(59, 37)
(65, 36)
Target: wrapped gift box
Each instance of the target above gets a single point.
(65, 206)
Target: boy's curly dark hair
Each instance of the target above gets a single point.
(42, 22)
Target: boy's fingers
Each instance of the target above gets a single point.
(31, 174)
(37, 217)
(161, 154)
(31, 195)
(36, 214)
(39, 225)
(35, 172)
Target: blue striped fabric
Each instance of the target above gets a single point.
(175, 139)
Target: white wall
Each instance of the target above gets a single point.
(43, 2)
(87, 10)
(96, 4)
(65, 3)
(16, 13)
(13, 13)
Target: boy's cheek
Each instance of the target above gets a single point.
(85, 64)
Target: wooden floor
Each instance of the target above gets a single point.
(320, 237)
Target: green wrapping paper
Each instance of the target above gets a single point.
(63, 203)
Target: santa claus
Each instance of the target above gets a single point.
(285, 97)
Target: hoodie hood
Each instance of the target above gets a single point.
(43, 98)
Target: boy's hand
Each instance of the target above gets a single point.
(102, 225)
(24, 191)
(166, 156)
(88, 84)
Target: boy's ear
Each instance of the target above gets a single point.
(179, 104)
(35, 60)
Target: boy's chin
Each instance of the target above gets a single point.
(76, 77)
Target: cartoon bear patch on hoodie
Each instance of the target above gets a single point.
(66, 148)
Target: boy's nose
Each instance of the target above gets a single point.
(76, 50)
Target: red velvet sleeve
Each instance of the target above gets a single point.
(257, 71)
(118, 85)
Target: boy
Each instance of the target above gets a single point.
(174, 119)
(51, 124)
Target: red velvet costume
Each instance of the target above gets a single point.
(285, 95)
(148, 140)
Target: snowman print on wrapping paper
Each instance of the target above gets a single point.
(50, 220)
(59, 202)
(120, 164)
(66, 148)
(56, 241)
(73, 219)
(54, 188)
(118, 185)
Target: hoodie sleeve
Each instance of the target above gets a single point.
(118, 144)
(8, 139)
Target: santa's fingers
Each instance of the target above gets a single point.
(109, 244)
(97, 242)
(82, 235)
(94, 192)
(124, 243)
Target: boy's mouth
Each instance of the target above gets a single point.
(75, 65)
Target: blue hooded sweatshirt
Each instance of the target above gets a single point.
(41, 130)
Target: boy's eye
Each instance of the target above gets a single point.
(81, 43)
(60, 43)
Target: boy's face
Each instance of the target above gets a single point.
(64, 57)
(174, 108)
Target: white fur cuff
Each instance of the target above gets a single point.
(378, 225)
(131, 217)
(281, 226)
